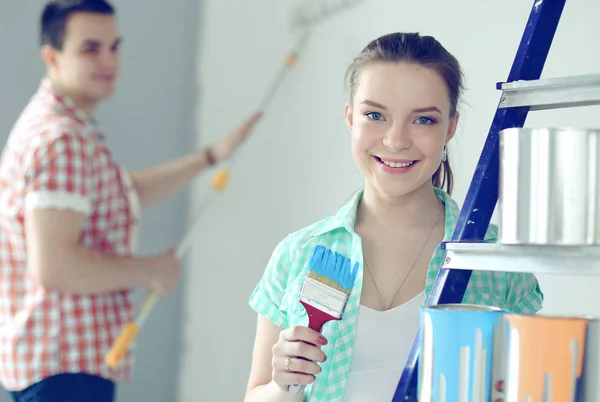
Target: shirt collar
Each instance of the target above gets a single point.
(345, 217)
(62, 103)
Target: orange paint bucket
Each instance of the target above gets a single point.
(539, 359)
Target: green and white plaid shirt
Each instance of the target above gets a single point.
(276, 296)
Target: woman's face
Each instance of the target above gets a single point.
(400, 121)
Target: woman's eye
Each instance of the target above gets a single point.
(375, 116)
(425, 120)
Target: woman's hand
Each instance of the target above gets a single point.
(295, 357)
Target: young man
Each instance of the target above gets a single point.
(69, 215)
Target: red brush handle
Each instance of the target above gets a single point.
(317, 318)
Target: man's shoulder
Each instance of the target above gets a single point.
(40, 126)
(38, 117)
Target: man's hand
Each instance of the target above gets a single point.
(224, 148)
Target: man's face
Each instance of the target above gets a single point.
(88, 64)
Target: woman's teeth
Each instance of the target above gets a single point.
(397, 164)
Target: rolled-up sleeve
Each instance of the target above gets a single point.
(523, 292)
(268, 294)
(61, 175)
(524, 295)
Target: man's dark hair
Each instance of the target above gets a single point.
(57, 12)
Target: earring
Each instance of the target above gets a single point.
(444, 153)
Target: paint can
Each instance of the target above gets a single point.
(549, 192)
(456, 352)
(539, 358)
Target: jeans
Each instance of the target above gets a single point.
(76, 387)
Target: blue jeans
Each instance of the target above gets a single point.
(76, 387)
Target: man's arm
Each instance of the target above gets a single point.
(160, 182)
(58, 262)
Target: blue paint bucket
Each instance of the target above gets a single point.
(456, 352)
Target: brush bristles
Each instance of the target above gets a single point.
(328, 282)
(332, 269)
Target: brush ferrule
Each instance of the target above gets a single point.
(323, 297)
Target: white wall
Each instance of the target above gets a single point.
(298, 167)
(153, 108)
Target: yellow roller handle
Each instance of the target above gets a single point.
(290, 60)
(121, 345)
(220, 180)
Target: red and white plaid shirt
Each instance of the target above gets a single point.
(56, 157)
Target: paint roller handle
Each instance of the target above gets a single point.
(219, 183)
(167, 278)
(121, 345)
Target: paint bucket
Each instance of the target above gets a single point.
(539, 358)
(549, 190)
(456, 352)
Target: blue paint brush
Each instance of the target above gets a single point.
(325, 291)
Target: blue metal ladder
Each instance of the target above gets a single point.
(482, 195)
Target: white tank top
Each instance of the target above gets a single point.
(382, 342)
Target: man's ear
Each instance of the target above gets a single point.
(49, 56)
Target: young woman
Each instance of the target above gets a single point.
(402, 112)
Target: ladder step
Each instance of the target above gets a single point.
(543, 259)
(551, 93)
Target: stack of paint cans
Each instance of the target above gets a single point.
(482, 354)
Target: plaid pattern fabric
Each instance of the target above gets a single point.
(56, 158)
(276, 295)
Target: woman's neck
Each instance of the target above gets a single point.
(411, 210)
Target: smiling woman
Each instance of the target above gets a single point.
(400, 121)
(402, 112)
(436, 63)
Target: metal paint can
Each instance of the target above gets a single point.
(456, 352)
(539, 358)
(549, 192)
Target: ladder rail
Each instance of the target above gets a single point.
(482, 196)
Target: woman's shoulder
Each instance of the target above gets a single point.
(299, 245)
(288, 265)
(330, 231)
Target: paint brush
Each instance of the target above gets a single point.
(325, 291)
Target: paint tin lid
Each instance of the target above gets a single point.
(465, 307)
(558, 317)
